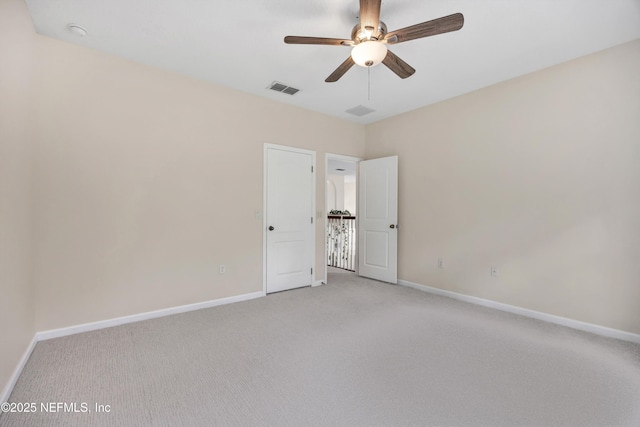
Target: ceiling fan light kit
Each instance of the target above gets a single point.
(369, 53)
(370, 39)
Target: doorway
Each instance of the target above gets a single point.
(375, 213)
(341, 204)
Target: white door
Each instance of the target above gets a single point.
(378, 212)
(290, 183)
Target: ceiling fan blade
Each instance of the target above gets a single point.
(430, 28)
(317, 40)
(369, 14)
(339, 72)
(397, 65)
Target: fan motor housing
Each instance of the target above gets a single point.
(359, 34)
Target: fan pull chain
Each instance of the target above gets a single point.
(368, 83)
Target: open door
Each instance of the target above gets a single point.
(378, 225)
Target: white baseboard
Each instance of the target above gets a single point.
(564, 321)
(86, 327)
(317, 283)
(4, 397)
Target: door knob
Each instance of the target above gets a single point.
(271, 228)
(392, 226)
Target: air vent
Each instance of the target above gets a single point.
(290, 90)
(283, 88)
(360, 110)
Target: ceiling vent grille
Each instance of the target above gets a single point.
(360, 110)
(283, 88)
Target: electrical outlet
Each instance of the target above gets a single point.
(440, 263)
(222, 269)
(494, 271)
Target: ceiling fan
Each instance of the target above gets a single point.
(370, 38)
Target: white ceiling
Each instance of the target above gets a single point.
(341, 167)
(239, 43)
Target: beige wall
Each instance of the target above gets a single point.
(350, 198)
(338, 183)
(147, 181)
(345, 193)
(539, 176)
(16, 293)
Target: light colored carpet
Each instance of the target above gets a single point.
(354, 352)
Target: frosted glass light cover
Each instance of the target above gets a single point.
(369, 53)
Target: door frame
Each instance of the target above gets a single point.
(351, 159)
(266, 147)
